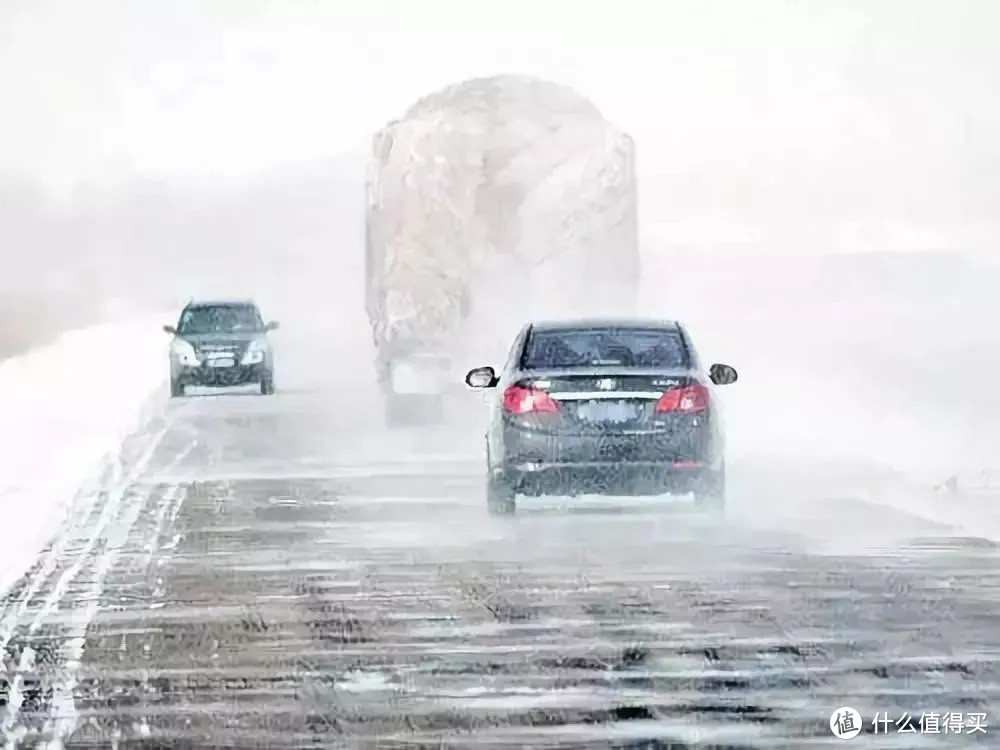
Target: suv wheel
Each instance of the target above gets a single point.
(267, 385)
(176, 389)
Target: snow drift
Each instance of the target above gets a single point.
(67, 410)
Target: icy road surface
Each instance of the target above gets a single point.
(277, 572)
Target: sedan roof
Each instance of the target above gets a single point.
(578, 323)
(194, 304)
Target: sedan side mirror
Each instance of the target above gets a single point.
(722, 374)
(272, 326)
(481, 377)
(170, 329)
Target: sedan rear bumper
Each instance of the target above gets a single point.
(677, 461)
(635, 478)
(685, 441)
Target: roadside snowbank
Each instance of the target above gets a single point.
(886, 454)
(66, 411)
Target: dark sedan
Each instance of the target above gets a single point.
(604, 407)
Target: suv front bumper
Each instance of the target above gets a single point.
(220, 377)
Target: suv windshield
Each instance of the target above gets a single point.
(597, 347)
(220, 319)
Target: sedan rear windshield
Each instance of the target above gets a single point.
(220, 319)
(600, 347)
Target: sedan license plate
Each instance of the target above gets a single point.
(613, 412)
(222, 362)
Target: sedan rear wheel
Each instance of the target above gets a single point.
(500, 498)
(710, 494)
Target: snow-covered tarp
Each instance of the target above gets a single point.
(482, 185)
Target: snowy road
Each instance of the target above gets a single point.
(275, 572)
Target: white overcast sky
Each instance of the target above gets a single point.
(103, 89)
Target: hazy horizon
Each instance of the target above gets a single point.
(869, 98)
(152, 146)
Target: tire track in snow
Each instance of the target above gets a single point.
(37, 578)
(110, 530)
(81, 514)
(65, 715)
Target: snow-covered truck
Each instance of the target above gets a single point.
(491, 202)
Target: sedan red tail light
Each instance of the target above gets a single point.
(520, 400)
(688, 400)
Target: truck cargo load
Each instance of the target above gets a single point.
(488, 203)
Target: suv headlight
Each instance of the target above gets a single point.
(255, 353)
(184, 353)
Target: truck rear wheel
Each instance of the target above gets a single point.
(406, 410)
